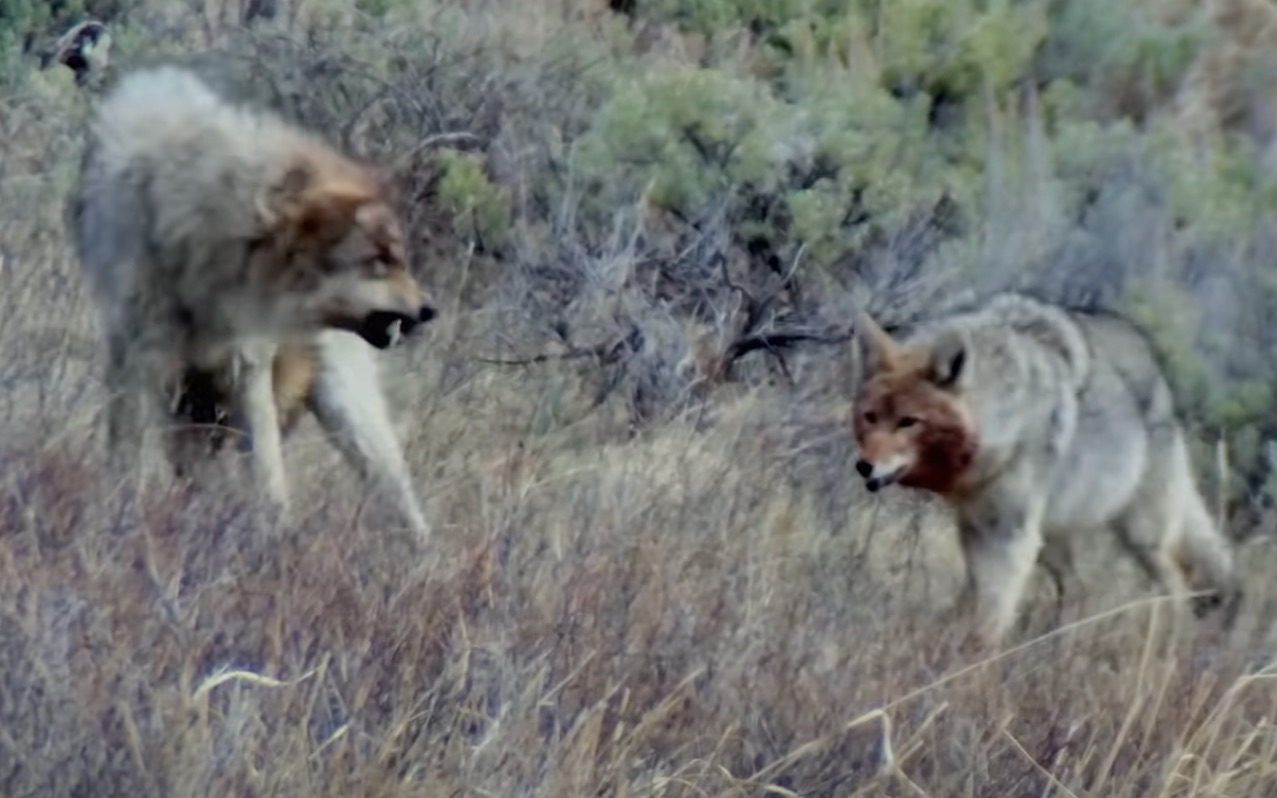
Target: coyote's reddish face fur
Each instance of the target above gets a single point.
(912, 424)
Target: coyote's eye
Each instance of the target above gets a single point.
(907, 421)
(378, 267)
(871, 417)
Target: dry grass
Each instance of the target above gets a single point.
(711, 608)
(718, 612)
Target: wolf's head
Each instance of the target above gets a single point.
(335, 244)
(911, 418)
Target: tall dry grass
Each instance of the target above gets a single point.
(709, 607)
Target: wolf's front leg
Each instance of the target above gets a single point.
(348, 403)
(256, 401)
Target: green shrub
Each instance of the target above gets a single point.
(955, 47)
(480, 209)
(1131, 63)
(684, 137)
(837, 160)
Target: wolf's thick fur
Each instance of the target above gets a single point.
(330, 374)
(213, 234)
(1036, 423)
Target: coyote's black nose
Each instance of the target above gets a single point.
(426, 314)
(864, 468)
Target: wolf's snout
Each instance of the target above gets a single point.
(383, 328)
(864, 468)
(408, 323)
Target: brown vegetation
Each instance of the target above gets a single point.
(653, 571)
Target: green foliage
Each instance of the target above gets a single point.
(375, 11)
(715, 17)
(872, 160)
(480, 209)
(701, 16)
(685, 137)
(22, 22)
(836, 158)
(26, 26)
(1223, 195)
(19, 19)
(1237, 411)
(1160, 55)
(1131, 63)
(1169, 317)
(1082, 36)
(951, 47)
(955, 47)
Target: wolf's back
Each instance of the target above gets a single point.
(169, 174)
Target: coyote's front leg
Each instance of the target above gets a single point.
(1001, 542)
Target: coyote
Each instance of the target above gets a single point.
(222, 241)
(1035, 422)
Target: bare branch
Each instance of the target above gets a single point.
(433, 141)
(606, 353)
(782, 340)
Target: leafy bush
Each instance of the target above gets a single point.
(480, 210)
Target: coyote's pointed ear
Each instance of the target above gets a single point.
(949, 360)
(878, 350)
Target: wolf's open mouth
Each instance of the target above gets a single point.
(384, 328)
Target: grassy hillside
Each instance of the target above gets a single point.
(654, 570)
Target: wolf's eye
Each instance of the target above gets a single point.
(907, 421)
(871, 417)
(378, 267)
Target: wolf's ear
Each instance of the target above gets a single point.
(281, 201)
(304, 204)
(949, 360)
(878, 350)
(330, 208)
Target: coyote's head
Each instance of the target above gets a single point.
(336, 247)
(910, 416)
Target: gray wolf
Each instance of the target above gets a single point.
(1036, 422)
(222, 241)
